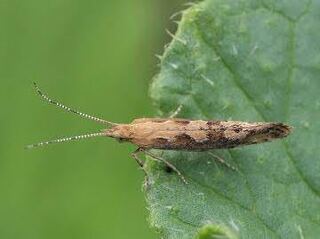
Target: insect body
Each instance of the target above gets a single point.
(195, 135)
(177, 134)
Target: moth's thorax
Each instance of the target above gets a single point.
(182, 134)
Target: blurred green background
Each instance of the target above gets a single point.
(97, 56)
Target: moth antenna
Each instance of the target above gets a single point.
(68, 109)
(66, 139)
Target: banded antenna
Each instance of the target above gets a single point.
(68, 109)
(66, 139)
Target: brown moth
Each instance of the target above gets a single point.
(195, 135)
(178, 134)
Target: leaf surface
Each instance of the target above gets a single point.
(251, 61)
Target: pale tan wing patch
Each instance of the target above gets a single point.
(144, 120)
(159, 120)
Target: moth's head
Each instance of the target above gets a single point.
(121, 132)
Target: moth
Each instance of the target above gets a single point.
(176, 134)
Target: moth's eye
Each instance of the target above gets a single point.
(121, 140)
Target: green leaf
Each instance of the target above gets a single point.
(246, 60)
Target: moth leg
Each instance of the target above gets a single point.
(135, 156)
(168, 164)
(176, 112)
(222, 161)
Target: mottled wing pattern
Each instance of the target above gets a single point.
(183, 134)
